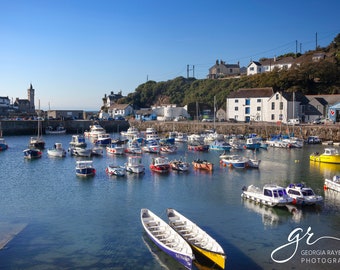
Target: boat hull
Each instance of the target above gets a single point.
(333, 185)
(325, 159)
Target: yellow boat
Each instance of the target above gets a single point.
(330, 155)
(202, 244)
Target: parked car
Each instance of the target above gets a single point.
(317, 121)
(293, 121)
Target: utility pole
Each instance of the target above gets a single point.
(316, 40)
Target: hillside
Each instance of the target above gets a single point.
(307, 76)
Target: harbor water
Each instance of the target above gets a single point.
(52, 219)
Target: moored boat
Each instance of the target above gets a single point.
(333, 183)
(32, 153)
(196, 146)
(166, 238)
(57, 151)
(115, 170)
(134, 165)
(3, 144)
(103, 139)
(303, 195)
(78, 141)
(200, 241)
(330, 155)
(160, 164)
(36, 142)
(220, 145)
(179, 165)
(202, 164)
(85, 168)
(116, 149)
(95, 129)
(270, 195)
(80, 152)
(235, 161)
(58, 130)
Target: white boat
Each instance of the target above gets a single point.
(166, 238)
(97, 151)
(220, 146)
(78, 141)
(270, 195)
(303, 195)
(200, 241)
(103, 139)
(115, 170)
(95, 130)
(85, 168)
(131, 133)
(60, 129)
(151, 147)
(333, 183)
(80, 152)
(3, 143)
(235, 161)
(133, 148)
(134, 165)
(181, 137)
(57, 151)
(179, 165)
(115, 149)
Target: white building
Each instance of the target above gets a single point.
(167, 112)
(248, 104)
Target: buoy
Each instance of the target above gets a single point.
(324, 187)
(297, 161)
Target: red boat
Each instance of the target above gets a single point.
(160, 164)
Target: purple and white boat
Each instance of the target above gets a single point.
(166, 238)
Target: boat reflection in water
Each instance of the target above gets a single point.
(272, 217)
(328, 170)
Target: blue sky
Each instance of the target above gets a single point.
(75, 51)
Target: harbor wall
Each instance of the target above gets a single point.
(329, 132)
(30, 127)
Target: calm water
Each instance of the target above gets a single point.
(65, 222)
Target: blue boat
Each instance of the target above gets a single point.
(85, 168)
(253, 143)
(3, 144)
(166, 238)
(32, 153)
(220, 145)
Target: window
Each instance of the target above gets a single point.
(230, 70)
(247, 110)
(258, 100)
(277, 96)
(236, 108)
(273, 105)
(273, 117)
(251, 68)
(281, 105)
(258, 109)
(248, 101)
(236, 100)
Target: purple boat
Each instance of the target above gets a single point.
(166, 238)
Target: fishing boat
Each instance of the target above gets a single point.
(303, 195)
(85, 168)
(313, 140)
(32, 153)
(80, 152)
(134, 165)
(253, 143)
(78, 141)
(151, 147)
(103, 139)
(181, 137)
(58, 130)
(179, 165)
(202, 243)
(97, 151)
(116, 149)
(270, 195)
(115, 170)
(197, 146)
(220, 145)
(133, 148)
(333, 183)
(330, 155)
(168, 148)
(202, 164)
(235, 161)
(166, 238)
(160, 164)
(57, 151)
(3, 143)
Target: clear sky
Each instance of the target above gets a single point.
(75, 51)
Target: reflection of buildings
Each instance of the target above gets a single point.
(332, 199)
(328, 170)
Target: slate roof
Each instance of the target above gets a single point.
(252, 93)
